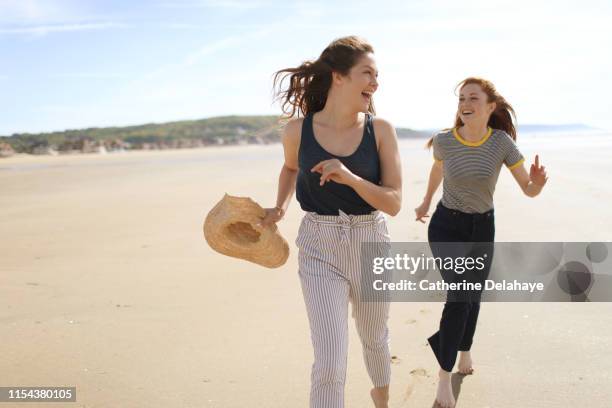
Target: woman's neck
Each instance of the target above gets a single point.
(474, 132)
(335, 114)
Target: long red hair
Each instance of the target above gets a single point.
(503, 117)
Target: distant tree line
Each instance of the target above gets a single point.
(226, 130)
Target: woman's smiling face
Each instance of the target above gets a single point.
(474, 106)
(359, 85)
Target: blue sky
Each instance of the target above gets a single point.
(76, 64)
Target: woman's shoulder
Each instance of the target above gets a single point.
(291, 132)
(292, 127)
(443, 134)
(383, 131)
(292, 124)
(502, 136)
(382, 124)
(383, 127)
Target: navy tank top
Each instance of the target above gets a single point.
(332, 196)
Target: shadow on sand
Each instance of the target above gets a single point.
(456, 381)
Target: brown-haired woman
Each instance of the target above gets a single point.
(469, 158)
(344, 165)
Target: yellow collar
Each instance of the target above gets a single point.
(473, 144)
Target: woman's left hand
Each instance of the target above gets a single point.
(537, 173)
(333, 170)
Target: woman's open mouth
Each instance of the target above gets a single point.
(367, 96)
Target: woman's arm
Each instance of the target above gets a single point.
(435, 178)
(288, 174)
(386, 197)
(532, 183)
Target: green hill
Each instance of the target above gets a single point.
(225, 130)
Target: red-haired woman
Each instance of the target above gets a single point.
(469, 158)
(344, 165)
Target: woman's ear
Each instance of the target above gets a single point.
(493, 107)
(337, 77)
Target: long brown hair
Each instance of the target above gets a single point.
(503, 117)
(310, 82)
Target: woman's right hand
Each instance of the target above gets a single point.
(273, 215)
(422, 210)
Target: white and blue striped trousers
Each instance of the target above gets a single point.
(330, 274)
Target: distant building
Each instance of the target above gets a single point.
(42, 149)
(6, 150)
(116, 145)
(89, 146)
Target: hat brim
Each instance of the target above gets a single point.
(231, 229)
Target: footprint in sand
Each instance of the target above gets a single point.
(395, 360)
(419, 372)
(416, 376)
(411, 321)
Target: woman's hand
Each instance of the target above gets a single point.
(537, 173)
(532, 183)
(273, 215)
(334, 170)
(422, 210)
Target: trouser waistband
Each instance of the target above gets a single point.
(457, 213)
(345, 219)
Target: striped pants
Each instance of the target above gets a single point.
(330, 274)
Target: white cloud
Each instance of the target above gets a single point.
(41, 11)
(41, 30)
(189, 59)
(88, 75)
(206, 50)
(24, 10)
(234, 5)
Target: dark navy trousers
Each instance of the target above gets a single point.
(456, 234)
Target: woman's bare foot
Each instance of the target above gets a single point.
(444, 396)
(465, 363)
(380, 396)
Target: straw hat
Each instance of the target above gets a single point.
(230, 228)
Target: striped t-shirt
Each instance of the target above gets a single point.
(471, 169)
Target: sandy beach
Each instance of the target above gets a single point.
(107, 284)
